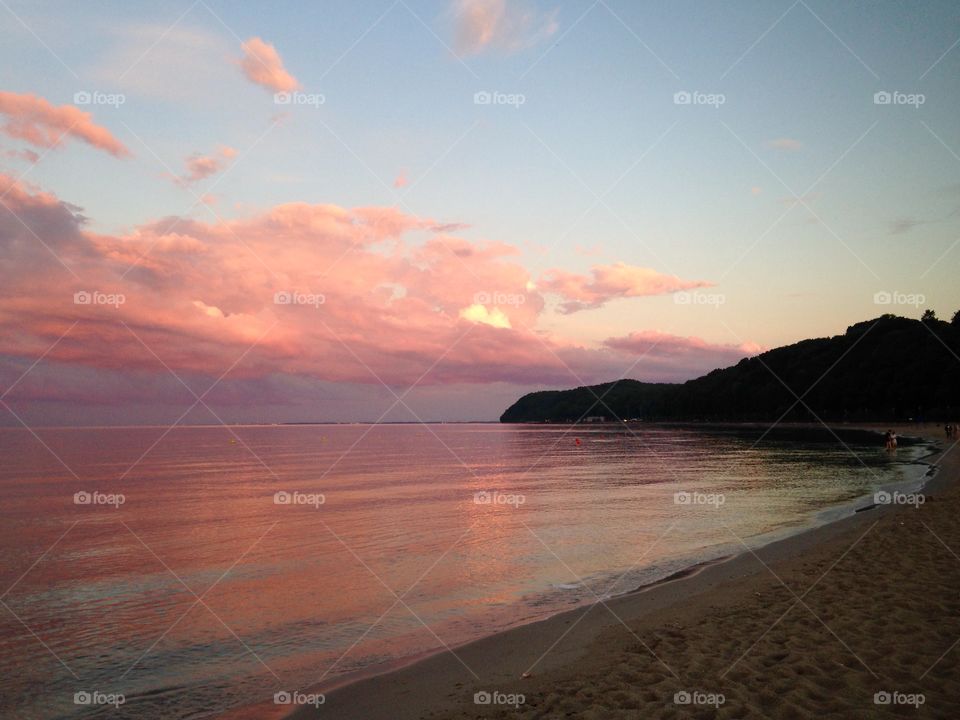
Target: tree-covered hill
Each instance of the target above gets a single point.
(887, 368)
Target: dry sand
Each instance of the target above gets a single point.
(814, 625)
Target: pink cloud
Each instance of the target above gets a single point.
(262, 64)
(200, 167)
(609, 282)
(678, 357)
(497, 24)
(401, 180)
(360, 302)
(34, 120)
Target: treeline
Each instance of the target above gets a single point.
(890, 368)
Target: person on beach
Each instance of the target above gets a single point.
(890, 440)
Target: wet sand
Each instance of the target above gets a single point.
(813, 625)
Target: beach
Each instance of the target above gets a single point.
(857, 618)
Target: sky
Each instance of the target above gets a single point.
(407, 211)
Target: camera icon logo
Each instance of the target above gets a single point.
(682, 498)
(682, 698)
(82, 298)
(682, 98)
(882, 298)
(482, 98)
(82, 97)
(282, 497)
(82, 698)
(482, 698)
(881, 698)
(482, 498)
(82, 498)
(882, 98)
(282, 298)
(282, 98)
(882, 497)
(282, 698)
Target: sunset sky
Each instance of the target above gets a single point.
(421, 210)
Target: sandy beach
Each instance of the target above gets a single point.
(859, 618)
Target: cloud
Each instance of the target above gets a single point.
(34, 120)
(788, 144)
(262, 64)
(480, 314)
(200, 167)
(294, 295)
(666, 355)
(496, 24)
(401, 180)
(609, 282)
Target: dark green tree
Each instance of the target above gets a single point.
(955, 321)
(928, 316)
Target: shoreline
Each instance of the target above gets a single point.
(411, 688)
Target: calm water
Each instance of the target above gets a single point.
(199, 594)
